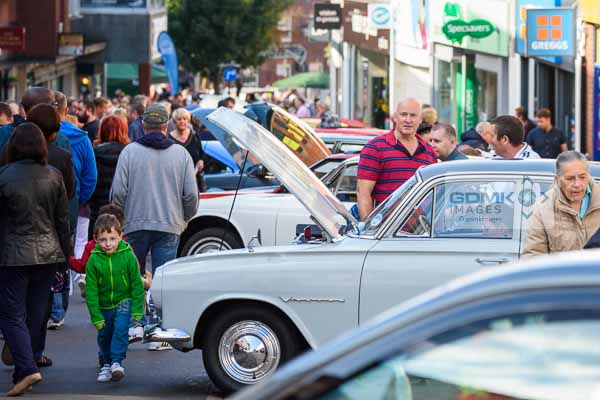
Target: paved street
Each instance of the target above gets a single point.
(166, 374)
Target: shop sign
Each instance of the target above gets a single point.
(70, 44)
(328, 16)
(596, 138)
(380, 16)
(521, 19)
(357, 30)
(590, 11)
(12, 38)
(481, 26)
(551, 32)
(457, 29)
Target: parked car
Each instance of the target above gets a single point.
(273, 211)
(250, 310)
(524, 332)
(345, 143)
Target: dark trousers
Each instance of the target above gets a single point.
(24, 293)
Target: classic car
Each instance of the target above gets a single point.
(274, 212)
(528, 331)
(251, 310)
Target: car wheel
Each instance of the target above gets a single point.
(245, 345)
(210, 239)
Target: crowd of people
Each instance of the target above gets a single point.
(97, 187)
(73, 171)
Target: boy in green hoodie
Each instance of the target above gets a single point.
(114, 294)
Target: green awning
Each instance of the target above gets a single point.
(317, 80)
(125, 77)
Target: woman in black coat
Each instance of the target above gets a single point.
(112, 139)
(34, 238)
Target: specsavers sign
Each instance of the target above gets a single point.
(482, 26)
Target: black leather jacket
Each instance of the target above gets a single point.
(34, 216)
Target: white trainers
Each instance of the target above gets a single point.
(55, 325)
(117, 372)
(159, 346)
(104, 375)
(136, 334)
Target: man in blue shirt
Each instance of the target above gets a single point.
(546, 140)
(134, 116)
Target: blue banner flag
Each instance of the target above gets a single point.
(166, 48)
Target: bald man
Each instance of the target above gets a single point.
(389, 160)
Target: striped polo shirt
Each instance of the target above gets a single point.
(389, 163)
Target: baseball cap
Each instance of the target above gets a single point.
(155, 114)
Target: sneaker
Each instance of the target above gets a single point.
(81, 285)
(117, 372)
(136, 334)
(55, 325)
(159, 346)
(105, 374)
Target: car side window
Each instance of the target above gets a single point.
(535, 355)
(418, 222)
(475, 209)
(346, 184)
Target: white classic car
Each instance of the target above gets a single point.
(250, 310)
(276, 214)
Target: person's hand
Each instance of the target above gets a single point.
(200, 166)
(100, 325)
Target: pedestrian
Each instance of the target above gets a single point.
(389, 160)
(568, 215)
(429, 115)
(546, 140)
(528, 125)
(479, 138)
(424, 130)
(88, 120)
(135, 129)
(34, 239)
(102, 105)
(302, 110)
(443, 141)
(112, 139)
(6, 115)
(508, 139)
(48, 120)
(86, 175)
(184, 135)
(114, 294)
(155, 182)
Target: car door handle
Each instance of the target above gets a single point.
(486, 261)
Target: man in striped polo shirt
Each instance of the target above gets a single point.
(389, 160)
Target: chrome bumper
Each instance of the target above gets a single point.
(171, 336)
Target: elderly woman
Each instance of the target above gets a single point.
(34, 239)
(185, 136)
(570, 215)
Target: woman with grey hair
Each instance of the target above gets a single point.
(184, 135)
(569, 215)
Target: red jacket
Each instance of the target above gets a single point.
(78, 264)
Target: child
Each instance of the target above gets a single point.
(115, 293)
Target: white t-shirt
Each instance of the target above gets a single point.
(525, 152)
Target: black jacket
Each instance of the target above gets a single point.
(62, 161)
(34, 216)
(472, 138)
(107, 155)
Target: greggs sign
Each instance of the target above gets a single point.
(551, 32)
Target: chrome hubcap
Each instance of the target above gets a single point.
(249, 351)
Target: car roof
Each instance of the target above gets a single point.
(327, 137)
(369, 132)
(486, 165)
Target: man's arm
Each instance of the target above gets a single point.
(563, 147)
(120, 184)
(364, 190)
(190, 189)
(89, 174)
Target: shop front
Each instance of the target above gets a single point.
(470, 64)
(365, 83)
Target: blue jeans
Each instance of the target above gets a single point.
(113, 339)
(162, 245)
(60, 303)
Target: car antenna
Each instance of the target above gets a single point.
(237, 188)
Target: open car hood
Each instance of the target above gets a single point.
(325, 208)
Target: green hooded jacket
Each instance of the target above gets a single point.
(111, 279)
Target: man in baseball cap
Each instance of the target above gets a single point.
(155, 183)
